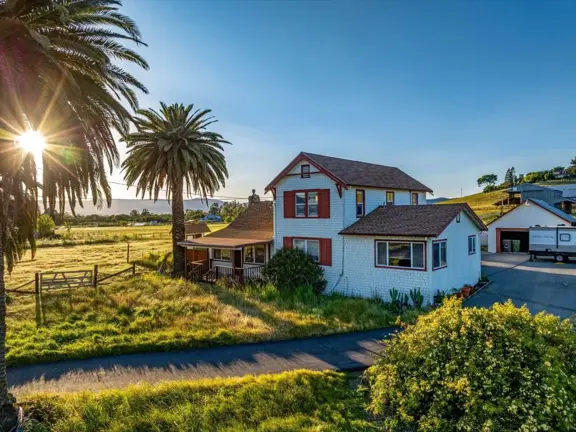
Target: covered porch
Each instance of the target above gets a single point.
(209, 259)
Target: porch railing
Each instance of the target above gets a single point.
(238, 273)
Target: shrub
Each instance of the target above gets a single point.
(469, 369)
(45, 226)
(292, 268)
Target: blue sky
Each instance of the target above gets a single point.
(446, 91)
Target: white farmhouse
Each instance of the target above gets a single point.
(370, 229)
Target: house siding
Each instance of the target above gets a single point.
(362, 278)
(462, 268)
(524, 216)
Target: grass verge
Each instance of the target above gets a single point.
(155, 313)
(291, 401)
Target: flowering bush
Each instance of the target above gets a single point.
(469, 369)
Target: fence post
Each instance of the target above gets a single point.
(128, 252)
(133, 269)
(38, 299)
(95, 276)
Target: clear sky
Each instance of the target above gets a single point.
(446, 91)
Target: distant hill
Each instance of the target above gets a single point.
(483, 204)
(124, 206)
(436, 200)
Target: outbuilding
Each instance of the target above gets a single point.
(509, 232)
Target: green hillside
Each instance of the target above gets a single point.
(483, 204)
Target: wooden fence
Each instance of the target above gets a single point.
(55, 280)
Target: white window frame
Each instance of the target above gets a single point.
(305, 249)
(253, 248)
(472, 250)
(361, 203)
(386, 202)
(440, 243)
(378, 263)
(221, 254)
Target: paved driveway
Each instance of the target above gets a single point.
(542, 285)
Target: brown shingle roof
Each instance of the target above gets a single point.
(355, 173)
(254, 225)
(196, 228)
(408, 220)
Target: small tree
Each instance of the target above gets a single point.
(510, 177)
(45, 226)
(134, 213)
(145, 212)
(231, 210)
(488, 180)
(498, 369)
(214, 209)
(292, 268)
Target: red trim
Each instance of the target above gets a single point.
(339, 189)
(376, 241)
(321, 242)
(475, 245)
(304, 174)
(389, 187)
(363, 202)
(274, 192)
(291, 165)
(444, 266)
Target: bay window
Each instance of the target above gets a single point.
(409, 255)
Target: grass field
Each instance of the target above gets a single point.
(483, 204)
(292, 401)
(110, 257)
(155, 313)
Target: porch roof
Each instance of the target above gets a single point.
(222, 242)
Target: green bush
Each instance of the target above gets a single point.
(292, 401)
(292, 268)
(469, 369)
(45, 226)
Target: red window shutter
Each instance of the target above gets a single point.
(324, 203)
(289, 204)
(288, 242)
(325, 252)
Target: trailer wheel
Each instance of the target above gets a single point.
(559, 258)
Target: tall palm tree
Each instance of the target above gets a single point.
(57, 66)
(18, 211)
(173, 149)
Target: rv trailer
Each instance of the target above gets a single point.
(556, 241)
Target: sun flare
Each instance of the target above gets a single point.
(32, 142)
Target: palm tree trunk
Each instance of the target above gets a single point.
(8, 413)
(178, 229)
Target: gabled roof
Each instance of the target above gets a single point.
(354, 173)
(254, 225)
(568, 190)
(196, 228)
(411, 220)
(543, 204)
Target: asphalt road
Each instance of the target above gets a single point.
(541, 285)
(347, 352)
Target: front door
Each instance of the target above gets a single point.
(237, 259)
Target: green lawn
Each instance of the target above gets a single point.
(155, 313)
(289, 402)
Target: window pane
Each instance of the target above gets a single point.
(299, 244)
(443, 254)
(399, 254)
(260, 254)
(436, 255)
(359, 209)
(312, 203)
(417, 255)
(390, 197)
(249, 254)
(414, 199)
(381, 253)
(313, 248)
(300, 203)
(226, 254)
(217, 254)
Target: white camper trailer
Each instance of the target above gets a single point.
(556, 241)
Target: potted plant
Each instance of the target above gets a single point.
(466, 291)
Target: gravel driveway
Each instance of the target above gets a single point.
(542, 285)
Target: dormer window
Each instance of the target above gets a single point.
(360, 208)
(305, 171)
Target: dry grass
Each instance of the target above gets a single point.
(484, 204)
(155, 313)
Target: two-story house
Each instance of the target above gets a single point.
(370, 229)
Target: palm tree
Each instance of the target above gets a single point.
(173, 149)
(18, 211)
(57, 67)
